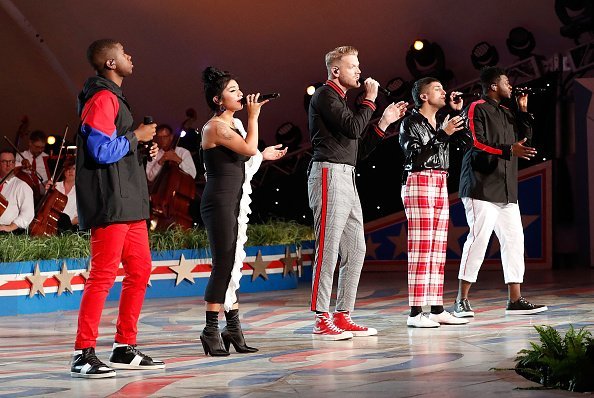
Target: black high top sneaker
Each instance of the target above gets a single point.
(125, 356)
(86, 364)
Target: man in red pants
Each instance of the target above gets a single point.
(113, 201)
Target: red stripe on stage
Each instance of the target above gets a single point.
(314, 292)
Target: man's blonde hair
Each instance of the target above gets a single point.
(337, 54)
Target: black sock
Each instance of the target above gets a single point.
(416, 310)
(319, 312)
(212, 323)
(436, 309)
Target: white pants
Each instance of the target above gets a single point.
(483, 218)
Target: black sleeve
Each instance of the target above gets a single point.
(340, 117)
(373, 136)
(524, 122)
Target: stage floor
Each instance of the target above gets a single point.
(451, 361)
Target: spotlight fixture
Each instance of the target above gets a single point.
(577, 17)
(289, 135)
(520, 42)
(483, 54)
(309, 91)
(425, 58)
(51, 140)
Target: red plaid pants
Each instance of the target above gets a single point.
(425, 198)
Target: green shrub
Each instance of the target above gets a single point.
(559, 362)
(15, 248)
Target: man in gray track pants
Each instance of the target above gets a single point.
(339, 137)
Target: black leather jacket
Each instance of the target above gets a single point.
(425, 148)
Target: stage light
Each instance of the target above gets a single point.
(418, 45)
(427, 60)
(577, 17)
(289, 135)
(520, 42)
(51, 140)
(182, 133)
(483, 54)
(309, 91)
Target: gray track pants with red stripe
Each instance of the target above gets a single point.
(338, 223)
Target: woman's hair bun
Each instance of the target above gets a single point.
(212, 74)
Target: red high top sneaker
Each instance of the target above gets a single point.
(325, 329)
(343, 321)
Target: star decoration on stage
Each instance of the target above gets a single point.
(288, 262)
(64, 278)
(86, 274)
(259, 267)
(371, 247)
(454, 235)
(36, 281)
(400, 242)
(183, 270)
(496, 246)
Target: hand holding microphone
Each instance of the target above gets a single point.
(378, 88)
(145, 133)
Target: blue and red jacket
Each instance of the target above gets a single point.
(489, 171)
(111, 182)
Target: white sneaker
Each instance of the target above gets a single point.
(446, 318)
(421, 321)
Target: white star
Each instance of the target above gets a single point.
(64, 278)
(36, 281)
(183, 270)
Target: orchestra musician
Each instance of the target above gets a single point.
(34, 158)
(177, 155)
(20, 208)
(68, 220)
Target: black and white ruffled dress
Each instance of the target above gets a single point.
(224, 207)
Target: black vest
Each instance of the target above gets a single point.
(116, 192)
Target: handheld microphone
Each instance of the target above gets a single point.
(149, 144)
(262, 97)
(382, 90)
(528, 90)
(458, 97)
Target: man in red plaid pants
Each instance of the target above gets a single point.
(424, 141)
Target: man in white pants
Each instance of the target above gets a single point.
(489, 190)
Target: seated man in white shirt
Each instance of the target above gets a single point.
(34, 157)
(20, 210)
(178, 155)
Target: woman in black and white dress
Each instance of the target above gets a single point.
(231, 158)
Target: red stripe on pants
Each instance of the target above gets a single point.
(314, 292)
(126, 243)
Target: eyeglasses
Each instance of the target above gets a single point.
(8, 161)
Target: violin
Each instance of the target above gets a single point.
(171, 193)
(47, 213)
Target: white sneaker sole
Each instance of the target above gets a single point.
(467, 314)
(116, 365)
(332, 337)
(367, 333)
(93, 376)
(526, 312)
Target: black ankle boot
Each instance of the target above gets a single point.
(211, 338)
(232, 334)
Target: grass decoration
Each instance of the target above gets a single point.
(563, 362)
(14, 248)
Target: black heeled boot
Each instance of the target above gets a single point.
(211, 338)
(232, 334)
